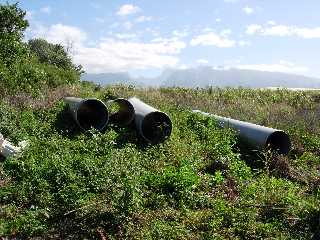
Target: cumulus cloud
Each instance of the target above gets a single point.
(271, 22)
(128, 9)
(253, 28)
(119, 52)
(248, 10)
(60, 34)
(113, 56)
(282, 66)
(283, 31)
(213, 39)
(125, 35)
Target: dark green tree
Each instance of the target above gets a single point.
(31, 67)
(53, 54)
(12, 20)
(12, 27)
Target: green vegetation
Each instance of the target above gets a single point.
(199, 184)
(30, 67)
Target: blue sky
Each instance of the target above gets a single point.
(143, 37)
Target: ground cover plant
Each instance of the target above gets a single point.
(200, 183)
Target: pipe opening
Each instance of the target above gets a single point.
(92, 113)
(121, 112)
(156, 127)
(280, 142)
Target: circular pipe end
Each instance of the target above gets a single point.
(279, 142)
(92, 113)
(156, 127)
(124, 114)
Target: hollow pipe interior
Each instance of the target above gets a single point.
(124, 114)
(92, 113)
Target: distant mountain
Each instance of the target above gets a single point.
(208, 76)
(205, 76)
(110, 78)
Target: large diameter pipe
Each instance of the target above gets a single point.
(124, 113)
(153, 125)
(88, 113)
(258, 136)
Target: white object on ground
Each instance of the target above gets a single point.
(7, 149)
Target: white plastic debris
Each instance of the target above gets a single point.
(7, 149)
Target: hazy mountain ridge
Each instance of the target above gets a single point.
(205, 76)
(110, 78)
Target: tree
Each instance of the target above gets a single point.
(53, 54)
(12, 27)
(12, 20)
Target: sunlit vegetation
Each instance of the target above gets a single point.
(201, 183)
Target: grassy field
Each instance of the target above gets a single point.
(200, 184)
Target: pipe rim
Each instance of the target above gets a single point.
(125, 115)
(156, 127)
(279, 142)
(86, 119)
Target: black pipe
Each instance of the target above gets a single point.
(153, 125)
(88, 113)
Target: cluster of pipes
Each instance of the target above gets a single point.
(155, 126)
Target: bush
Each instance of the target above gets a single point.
(52, 54)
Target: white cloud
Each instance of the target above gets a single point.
(218, 20)
(213, 39)
(143, 19)
(128, 9)
(308, 32)
(182, 67)
(283, 31)
(120, 52)
(207, 29)
(113, 56)
(60, 34)
(46, 9)
(282, 66)
(271, 22)
(225, 32)
(202, 61)
(248, 10)
(125, 36)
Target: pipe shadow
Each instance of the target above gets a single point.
(65, 124)
(128, 135)
(253, 158)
